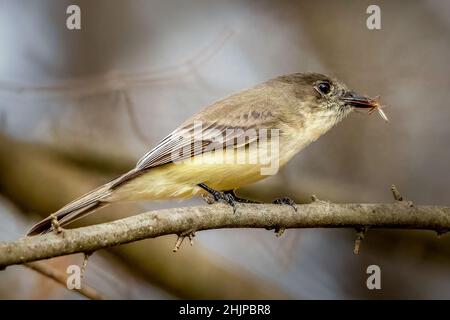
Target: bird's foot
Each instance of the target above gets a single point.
(287, 201)
(227, 197)
(238, 199)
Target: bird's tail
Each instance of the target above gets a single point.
(75, 210)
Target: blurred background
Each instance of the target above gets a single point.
(78, 107)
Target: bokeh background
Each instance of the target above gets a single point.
(79, 107)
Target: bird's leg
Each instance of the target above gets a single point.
(287, 201)
(218, 195)
(237, 199)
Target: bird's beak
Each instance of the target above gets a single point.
(357, 101)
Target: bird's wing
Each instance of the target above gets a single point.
(244, 111)
(190, 141)
(171, 147)
(198, 138)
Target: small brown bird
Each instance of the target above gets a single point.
(233, 142)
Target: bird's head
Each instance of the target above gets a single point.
(324, 98)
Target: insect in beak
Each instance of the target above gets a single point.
(362, 102)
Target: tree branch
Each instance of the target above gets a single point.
(184, 221)
(61, 278)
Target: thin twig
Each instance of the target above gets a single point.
(85, 262)
(55, 224)
(117, 81)
(361, 232)
(396, 194)
(133, 119)
(190, 234)
(61, 278)
(279, 232)
(178, 243)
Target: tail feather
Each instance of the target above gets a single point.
(74, 210)
(45, 225)
(82, 206)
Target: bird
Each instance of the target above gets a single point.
(282, 116)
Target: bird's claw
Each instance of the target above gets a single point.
(226, 197)
(288, 201)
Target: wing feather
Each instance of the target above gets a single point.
(173, 147)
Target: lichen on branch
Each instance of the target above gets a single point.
(181, 221)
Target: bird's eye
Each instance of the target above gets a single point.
(324, 87)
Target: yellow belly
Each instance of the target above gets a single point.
(181, 179)
(220, 170)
